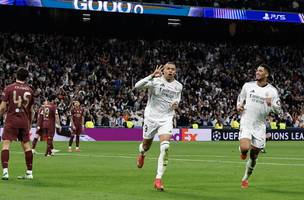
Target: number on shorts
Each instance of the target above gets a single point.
(146, 128)
(19, 101)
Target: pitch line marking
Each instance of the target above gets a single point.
(124, 156)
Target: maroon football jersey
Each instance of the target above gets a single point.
(49, 112)
(77, 115)
(20, 99)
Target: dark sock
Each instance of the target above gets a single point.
(4, 158)
(77, 140)
(253, 156)
(49, 144)
(34, 143)
(29, 159)
(71, 140)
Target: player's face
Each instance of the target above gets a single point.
(76, 103)
(169, 71)
(261, 73)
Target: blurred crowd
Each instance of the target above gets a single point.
(101, 73)
(274, 5)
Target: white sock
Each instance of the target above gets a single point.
(249, 169)
(141, 149)
(5, 170)
(29, 172)
(162, 159)
(70, 147)
(77, 147)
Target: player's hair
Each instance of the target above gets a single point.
(51, 97)
(265, 67)
(22, 74)
(170, 63)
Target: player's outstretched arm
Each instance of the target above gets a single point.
(241, 100)
(147, 82)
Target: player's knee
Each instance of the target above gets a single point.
(244, 147)
(5, 144)
(164, 146)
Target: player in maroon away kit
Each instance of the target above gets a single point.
(77, 123)
(38, 129)
(50, 122)
(17, 103)
(40, 132)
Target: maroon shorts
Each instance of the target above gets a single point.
(20, 134)
(48, 132)
(77, 131)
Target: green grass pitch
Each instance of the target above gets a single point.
(200, 170)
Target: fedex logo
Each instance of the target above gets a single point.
(272, 16)
(189, 135)
(185, 136)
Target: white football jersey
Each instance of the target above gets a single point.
(161, 95)
(256, 109)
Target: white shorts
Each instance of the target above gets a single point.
(151, 127)
(256, 135)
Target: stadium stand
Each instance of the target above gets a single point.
(101, 73)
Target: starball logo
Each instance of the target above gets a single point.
(113, 6)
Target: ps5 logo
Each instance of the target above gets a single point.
(272, 16)
(113, 6)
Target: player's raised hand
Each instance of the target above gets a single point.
(158, 71)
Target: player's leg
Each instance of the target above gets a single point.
(28, 160)
(149, 131)
(9, 134)
(24, 137)
(165, 134)
(5, 158)
(71, 142)
(244, 147)
(254, 152)
(77, 131)
(245, 136)
(58, 130)
(53, 150)
(77, 142)
(49, 139)
(143, 148)
(162, 160)
(50, 135)
(258, 142)
(34, 143)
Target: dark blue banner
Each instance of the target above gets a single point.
(162, 9)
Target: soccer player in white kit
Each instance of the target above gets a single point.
(164, 94)
(256, 100)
